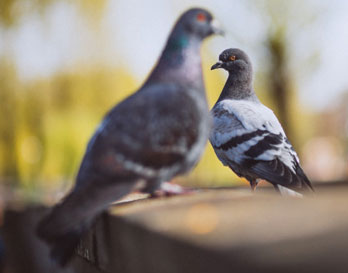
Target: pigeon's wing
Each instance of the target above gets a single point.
(240, 125)
(152, 131)
(248, 135)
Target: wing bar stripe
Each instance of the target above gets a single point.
(237, 140)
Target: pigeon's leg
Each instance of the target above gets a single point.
(253, 184)
(156, 188)
(170, 189)
(152, 186)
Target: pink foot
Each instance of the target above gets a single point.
(170, 189)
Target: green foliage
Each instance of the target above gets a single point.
(45, 124)
(8, 125)
(11, 11)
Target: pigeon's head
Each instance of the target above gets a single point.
(234, 61)
(199, 23)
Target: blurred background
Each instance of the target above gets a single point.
(64, 63)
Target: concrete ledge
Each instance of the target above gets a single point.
(225, 231)
(211, 231)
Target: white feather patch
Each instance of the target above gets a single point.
(287, 192)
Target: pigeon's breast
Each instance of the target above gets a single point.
(203, 126)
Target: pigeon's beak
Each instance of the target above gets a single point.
(216, 27)
(217, 65)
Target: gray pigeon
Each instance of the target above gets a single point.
(247, 136)
(155, 134)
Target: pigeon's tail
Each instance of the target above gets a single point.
(306, 184)
(63, 227)
(287, 192)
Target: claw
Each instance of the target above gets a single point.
(253, 185)
(170, 189)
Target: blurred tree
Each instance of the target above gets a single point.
(279, 80)
(8, 121)
(11, 11)
(25, 112)
(32, 140)
(76, 102)
(284, 19)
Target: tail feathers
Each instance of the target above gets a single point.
(62, 232)
(287, 192)
(306, 184)
(278, 173)
(63, 227)
(64, 246)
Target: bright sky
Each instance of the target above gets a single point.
(133, 33)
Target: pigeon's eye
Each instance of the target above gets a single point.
(232, 58)
(201, 17)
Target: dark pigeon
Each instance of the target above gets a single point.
(247, 136)
(155, 134)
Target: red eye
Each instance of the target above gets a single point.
(201, 17)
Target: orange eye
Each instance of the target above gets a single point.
(233, 58)
(201, 17)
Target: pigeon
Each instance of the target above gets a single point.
(155, 134)
(247, 136)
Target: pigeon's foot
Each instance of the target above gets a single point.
(170, 189)
(253, 185)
